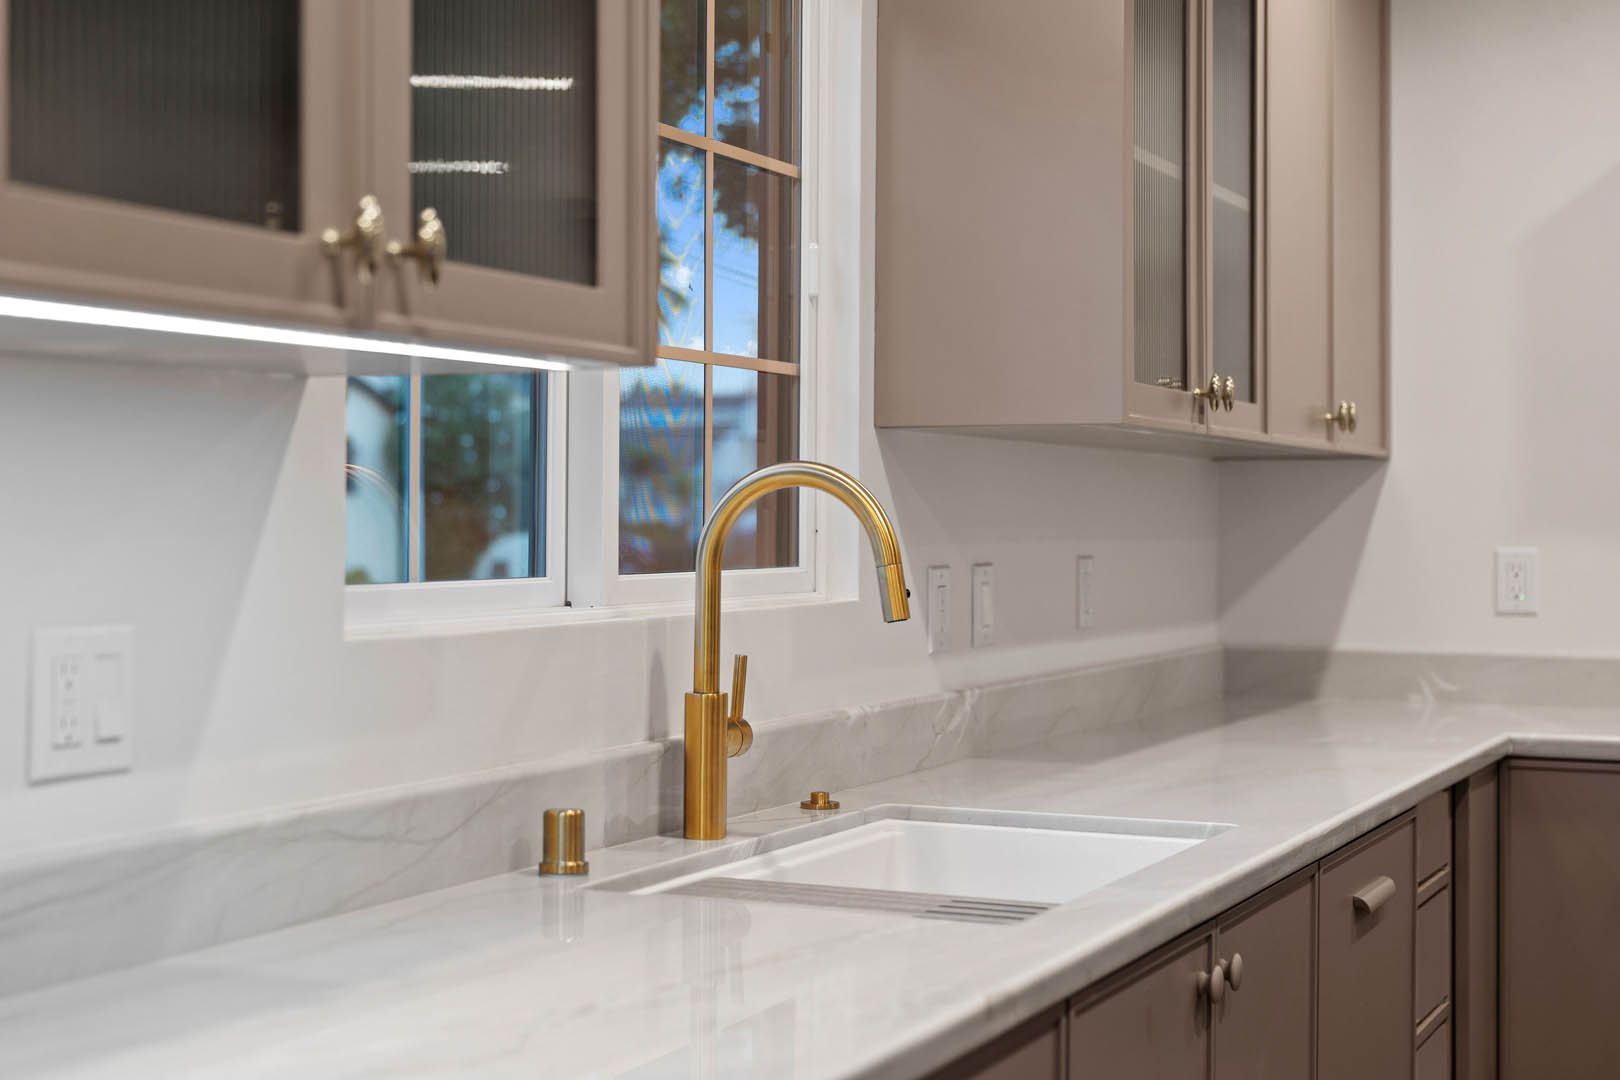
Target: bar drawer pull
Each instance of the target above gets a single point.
(1373, 895)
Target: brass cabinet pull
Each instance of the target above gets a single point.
(1344, 416)
(1220, 391)
(364, 238)
(427, 249)
(739, 732)
(1373, 895)
(1212, 983)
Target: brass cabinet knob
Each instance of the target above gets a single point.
(1210, 395)
(739, 732)
(562, 843)
(1229, 392)
(364, 238)
(427, 249)
(1212, 984)
(1344, 416)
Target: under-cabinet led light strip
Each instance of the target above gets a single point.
(492, 82)
(18, 307)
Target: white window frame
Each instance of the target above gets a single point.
(582, 459)
(411, 601)
(595, 580)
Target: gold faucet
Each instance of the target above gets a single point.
(712, 735)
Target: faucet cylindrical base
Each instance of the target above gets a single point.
(705, 766)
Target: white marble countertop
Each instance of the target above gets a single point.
(522, 976)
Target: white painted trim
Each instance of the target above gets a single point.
(596, 580)
(429, 603)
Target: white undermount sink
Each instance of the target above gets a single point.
(1038, 859)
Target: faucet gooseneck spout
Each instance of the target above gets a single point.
(711, 734)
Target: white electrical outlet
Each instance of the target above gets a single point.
(1518, 581)
(984, 605)
(1082, 591)
(81, 715)
(939, 608)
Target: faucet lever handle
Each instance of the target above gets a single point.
(739, 686)
(739, 732)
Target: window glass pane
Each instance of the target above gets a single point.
(756, 76)
(503, 132)
(1159, 176)
(682, 43)
(168, 103)
(660, 467)
(378, 421)
(756, 262)
(756, 423)
(680, 245)
(481, 511)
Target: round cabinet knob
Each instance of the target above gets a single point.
(1349, 409)
(1229, 392)
(1212, 984)
(1211, 395)
(1234, 972)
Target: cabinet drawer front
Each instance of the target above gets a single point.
(1364, 928)
(1156, 1025)
(1433, 953)
(1434, 1056)
(1433, 834)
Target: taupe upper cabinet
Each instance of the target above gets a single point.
(166, 153)
(1076, 233)
(197, 157)
(1327, 239)
(524, 130)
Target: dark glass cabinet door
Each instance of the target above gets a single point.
(1162, 362)
(1231, 210)
(520, 134)
(178, 152)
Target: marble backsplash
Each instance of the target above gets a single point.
(1308, 674)
(95, 908)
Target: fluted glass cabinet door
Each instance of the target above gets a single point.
(1231, 210)
(1162, 363)
(179, 152)
(520, 136)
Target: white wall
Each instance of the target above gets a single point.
(207, 511)
(1505, 216)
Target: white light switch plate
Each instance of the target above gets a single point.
(1083, 566)
(984, 605)
(1518, 581)
(81, 714)
(939, 608)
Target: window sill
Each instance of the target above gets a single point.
(431, 625)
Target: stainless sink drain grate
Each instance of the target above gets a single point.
(969, 909)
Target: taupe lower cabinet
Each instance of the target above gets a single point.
(1313, 977)
(1105, 218)
(486, 168)
(1560, 917)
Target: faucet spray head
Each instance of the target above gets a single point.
(893, 592)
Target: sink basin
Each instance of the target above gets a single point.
(1030, 861)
